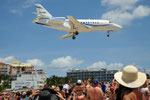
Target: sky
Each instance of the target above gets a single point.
(23, 40)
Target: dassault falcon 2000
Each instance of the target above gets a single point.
(72, 25)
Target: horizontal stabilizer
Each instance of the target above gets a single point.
(67, 36)
(36, 20)
(35, 13)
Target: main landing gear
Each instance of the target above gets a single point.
(74, 35)
(108, 33)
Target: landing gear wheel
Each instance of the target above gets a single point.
(74, 36)
(107, 33)
(76, 33)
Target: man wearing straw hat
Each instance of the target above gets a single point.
(129, 82)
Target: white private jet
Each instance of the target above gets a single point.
(72, 25)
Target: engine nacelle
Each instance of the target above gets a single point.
(56, 20)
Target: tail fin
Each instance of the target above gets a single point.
(41, 11)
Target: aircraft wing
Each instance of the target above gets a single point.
(67, 35)
(76, 24)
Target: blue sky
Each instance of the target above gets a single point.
(28, 42)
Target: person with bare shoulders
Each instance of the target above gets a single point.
(62, 91)
(94, 92)
(129, 82)
(78, 92)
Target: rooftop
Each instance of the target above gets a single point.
(19, 64)
(33, 72)
(86, 70)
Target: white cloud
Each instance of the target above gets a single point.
(7, 59)
(141, 11)
(103, 64)
(64, 63)
(118, 16)
(25, 4)
(115, 66)
(98, 65)
(123, 4)
(16, 11)
(36, 63)
(124, 11)
(29, 3)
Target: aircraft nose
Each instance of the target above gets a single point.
(119, 27)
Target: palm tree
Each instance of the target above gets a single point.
(55, 80)
(6, 81)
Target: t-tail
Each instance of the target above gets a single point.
(41, 13)
(45, 18)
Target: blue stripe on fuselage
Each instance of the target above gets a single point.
(44, 18)
(94, 25)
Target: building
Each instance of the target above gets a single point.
(15, 67)
(18, 67)
(31, 79)
(4, 68)
(84, 74)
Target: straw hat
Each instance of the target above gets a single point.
(130, 77)
(46, 95)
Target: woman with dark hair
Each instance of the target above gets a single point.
(122, 91)
(130, 80)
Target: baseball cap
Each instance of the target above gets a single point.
(96, 81)
(79, 82)
(112, 88)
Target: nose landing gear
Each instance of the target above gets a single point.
(108, 33)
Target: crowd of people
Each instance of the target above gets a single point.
(129, 84)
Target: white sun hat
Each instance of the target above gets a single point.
(130, 77)
(79, 82)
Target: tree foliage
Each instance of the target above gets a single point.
(55, 80)
(5, 81)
